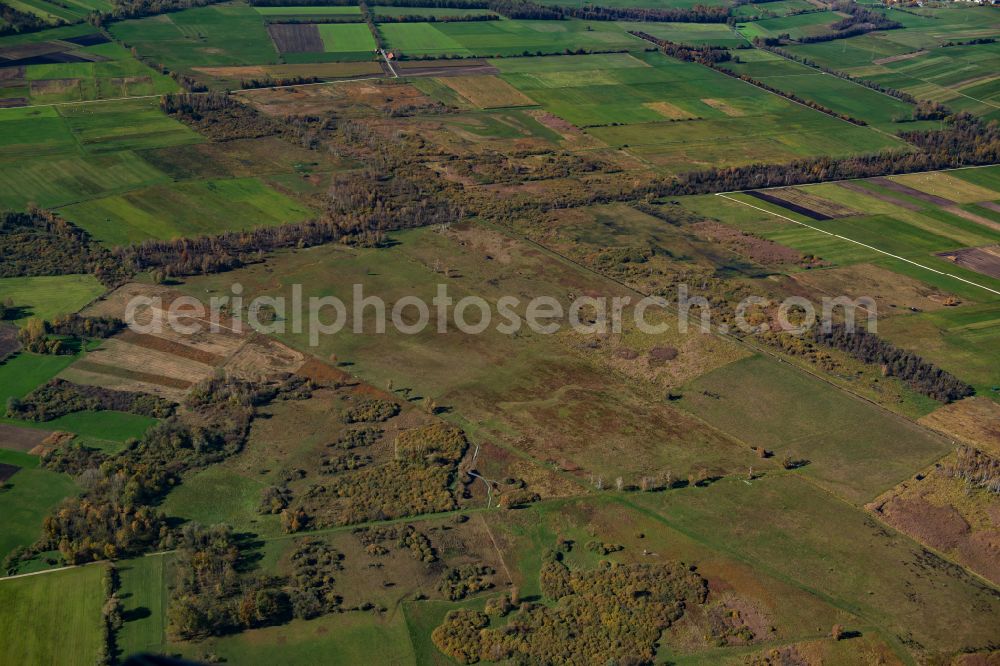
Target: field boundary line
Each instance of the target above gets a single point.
(851, 240)
(241, 90)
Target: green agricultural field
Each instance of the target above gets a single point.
(912, 59)
(32, 133)
(49, 296)
(106, 425)
(60, 180)
(832, 92)
(777, 407)
(185, 209)
(916, 235)
(507, 37)
(796, 26)
(144, 591)
(61, 32)
(52, 618)
(132, 125)
(25, 500)
(339, 639)
(346, 38)
(231, 34)
(680, 116)
(964, 340)
(121, 76)
(22, 373)
(70, 11)
(771, 9)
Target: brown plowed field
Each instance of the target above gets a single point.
(295, 37)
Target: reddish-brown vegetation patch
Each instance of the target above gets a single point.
(985, 260)
(757, 249)
(941, 527)
(892, 292)
(897, 58)
(295, 38)
(148, 341)
(318, 371)
(975, 421)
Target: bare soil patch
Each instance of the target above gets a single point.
(147, 377)
(910, 192)
(668, 110)
(16, 438)
(760, 250)
(985, 260)
(8, 340)
(463, 68)
(11, 73)
(901, 56)
(794, 207)
(295, 38)
(972, 217)
(725, 107)
(234, 72)
(487, 92)
(7, 471)
(53, 86)
(817, 204)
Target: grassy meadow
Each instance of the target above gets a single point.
(854, 450)
(231, 34)
(184, 209)
(52, 618)
(26, 499)
(506, 37)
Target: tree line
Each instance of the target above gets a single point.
(705, 55)
(132, 9)
(789, 96)
(13, 21)
(423, 18)
(59, 397)
(772, 46)
(907, 366)
(695, 14)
